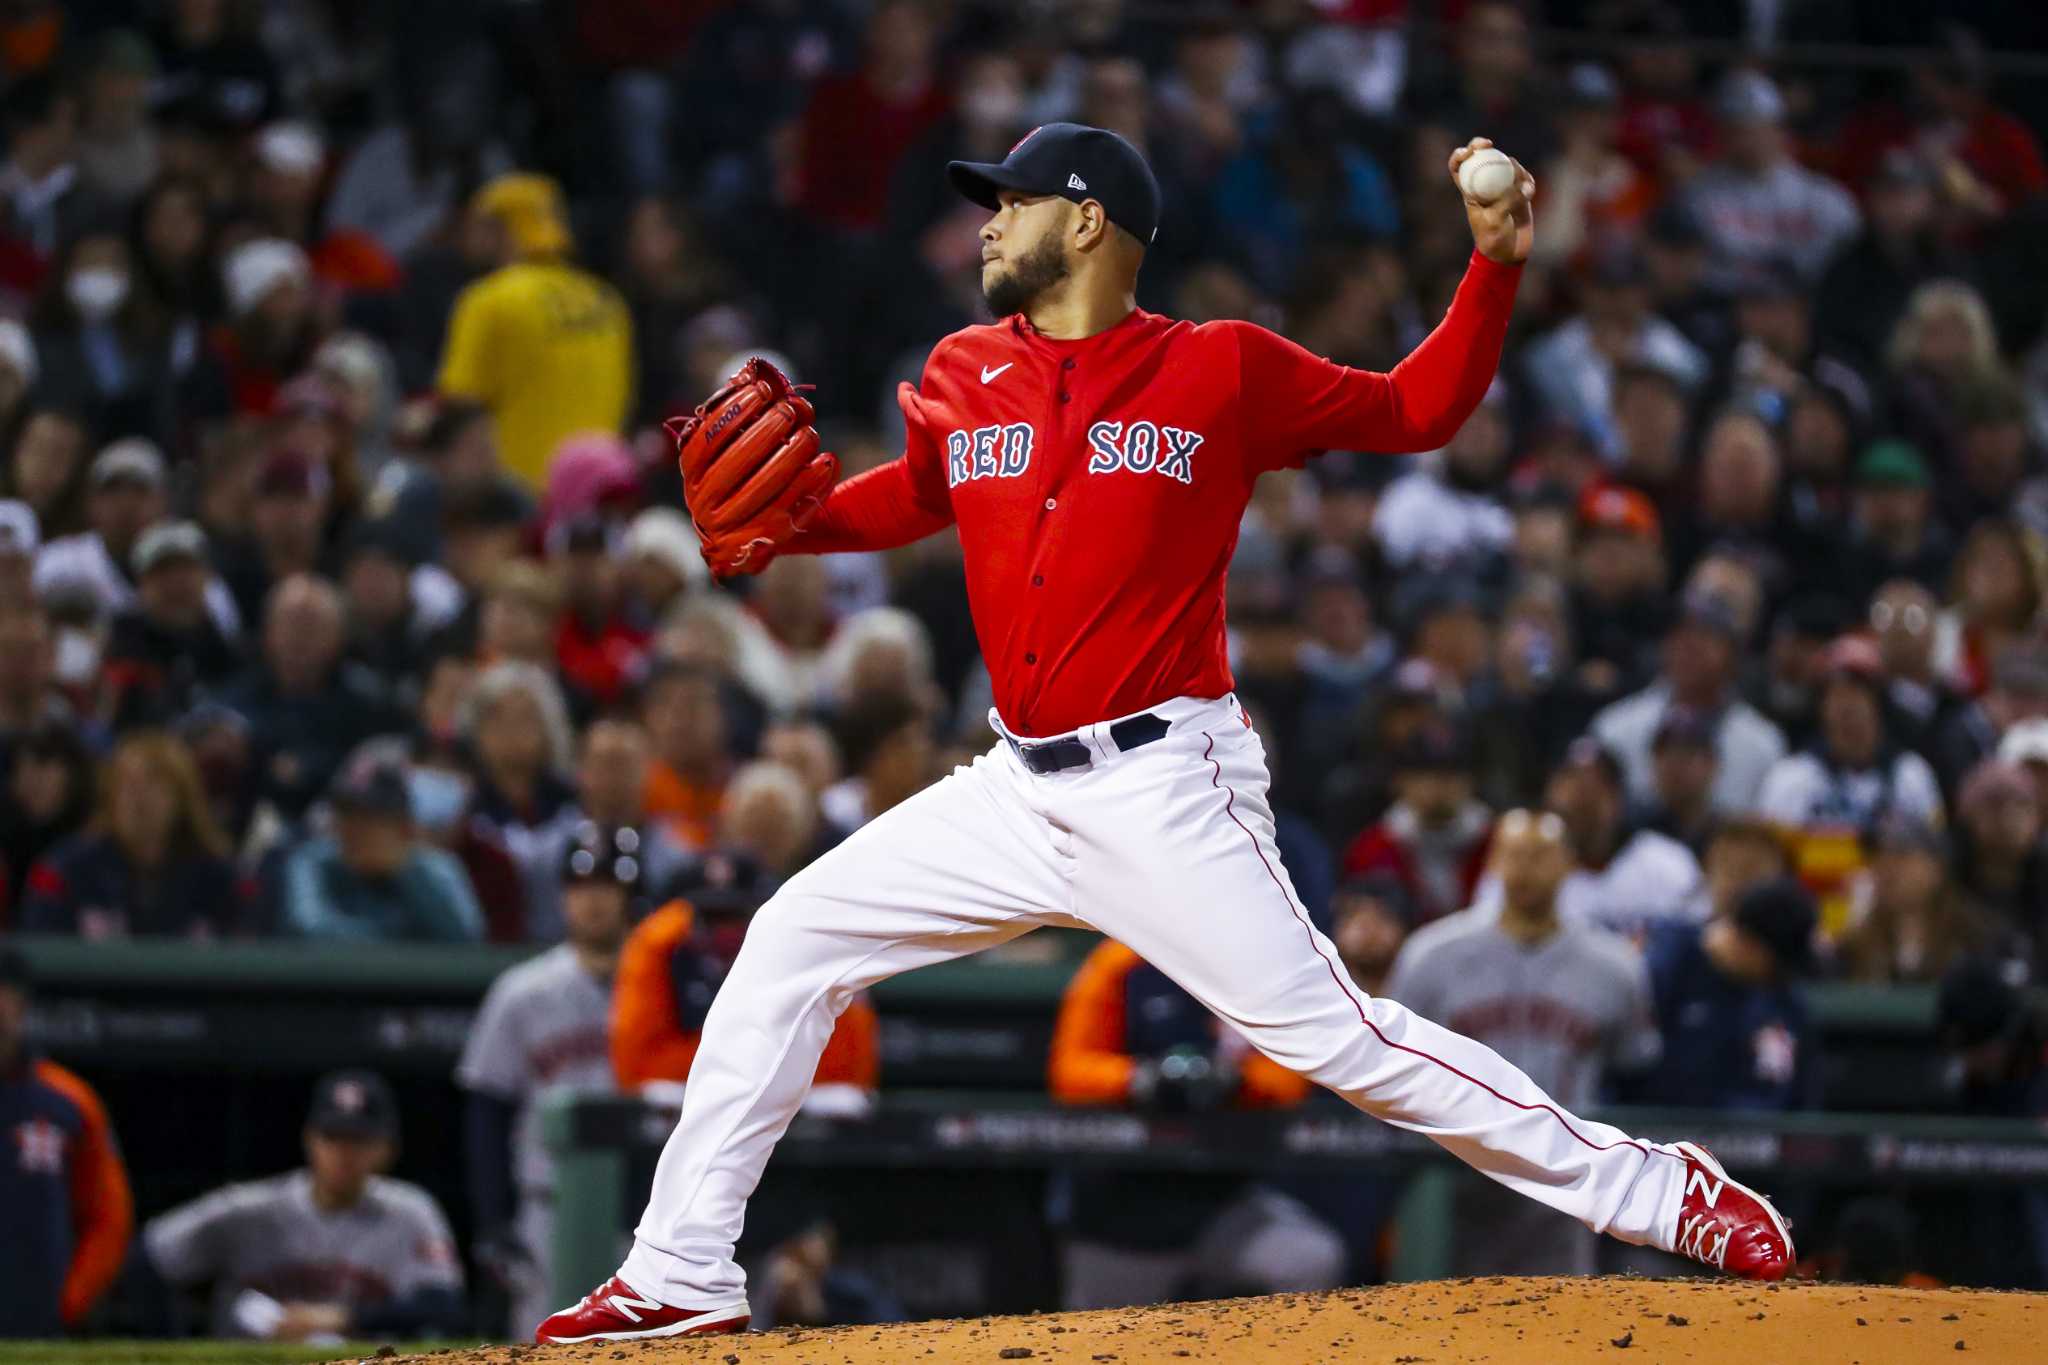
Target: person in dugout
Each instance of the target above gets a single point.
(668, 978)
(1126, 1034)
(65, 1211)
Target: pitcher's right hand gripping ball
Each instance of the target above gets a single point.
(752, 470)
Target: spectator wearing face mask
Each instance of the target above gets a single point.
(101, 349)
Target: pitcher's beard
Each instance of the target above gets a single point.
(1036, 271)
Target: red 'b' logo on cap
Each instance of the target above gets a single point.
(1020, 142)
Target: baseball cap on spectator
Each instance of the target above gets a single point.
(255, 268)
(1904, 167)
(291, 147)
(1414, 680)
(1383, 887)
(596, 853)
(1812, 616)
(354, 1104)
(585, 533)
(495, 506)
(18, 350)
(1618, 265)
(20, 533)
(1780, 914)
(311, 394)
(530, 208)
(1749, 97)
(1610, 508)
(1331, 566)
(1892, 463)
(378, 536)
(371, 784)
(723, 883)
(2026, 742)
(1075, 162)
(167, 542)
(664, 534)
(1855, 657)
(1675, 224)
(1588, 752)
(1433, 748)
(1771, 278)
(289, 475)
(133, 460)
(1685, 726)
(1589, 85)
(1709, 611)
(1423, 596)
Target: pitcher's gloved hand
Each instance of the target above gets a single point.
(1185, 1080)
(752, 470)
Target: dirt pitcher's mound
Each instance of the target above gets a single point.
(1454, 1322)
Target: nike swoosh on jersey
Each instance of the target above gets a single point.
(988, 374)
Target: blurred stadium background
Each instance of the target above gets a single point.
(355, 653)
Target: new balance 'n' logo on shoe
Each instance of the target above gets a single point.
(1725, 1224)
(615, 1311)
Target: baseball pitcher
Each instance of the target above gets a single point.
(1097, 460)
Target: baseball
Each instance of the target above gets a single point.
(1487, 175)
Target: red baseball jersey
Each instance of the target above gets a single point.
(1098, 484)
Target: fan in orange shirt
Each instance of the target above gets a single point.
(1127, 1034)
(669, 973)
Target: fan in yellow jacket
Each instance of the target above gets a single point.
(546, 346)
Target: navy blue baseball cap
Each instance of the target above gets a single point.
(1074, 162)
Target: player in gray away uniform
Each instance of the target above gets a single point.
(543, 1030)
(332, 1251)
(1564, 1002)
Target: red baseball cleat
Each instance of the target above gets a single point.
(1727, 1225)
(615, 1311)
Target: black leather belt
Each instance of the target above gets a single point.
(1058, 755)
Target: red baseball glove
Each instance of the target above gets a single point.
(752, 470)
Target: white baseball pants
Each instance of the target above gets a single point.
(1168, 849)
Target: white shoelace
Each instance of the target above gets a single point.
(1705, 1239)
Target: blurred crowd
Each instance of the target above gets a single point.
(346, 590)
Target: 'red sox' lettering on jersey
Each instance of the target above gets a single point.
(1098, 484)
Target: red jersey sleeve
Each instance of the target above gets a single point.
(1295, 404)
(894, 504)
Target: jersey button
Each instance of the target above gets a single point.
(1051, 503)
(1030, 658)
(1065, 396)
(1067, 364)
(1038, 580)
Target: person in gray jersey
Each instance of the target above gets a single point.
(335, 1250)
(1565, 1002)
(543, 1030)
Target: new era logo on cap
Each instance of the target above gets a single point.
(1049, 160)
